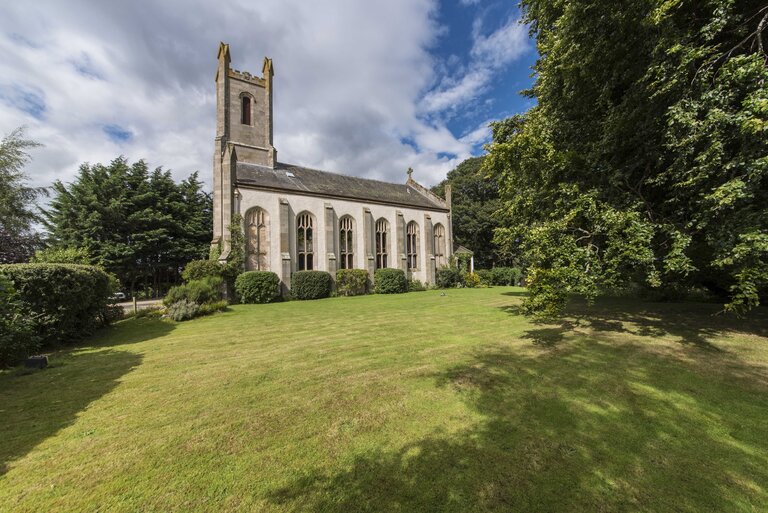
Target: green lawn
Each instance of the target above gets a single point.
(409, 403)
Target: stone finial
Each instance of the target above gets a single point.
(410, 172)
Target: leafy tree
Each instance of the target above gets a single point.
(140, 225)
(17, 200)
(645, 159)
(62, 256)
(475, 198)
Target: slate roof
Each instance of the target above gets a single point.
(297, 179)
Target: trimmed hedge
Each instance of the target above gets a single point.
(257, 287)
(199, 269)
(64, 302)
(311, 284)
(390, 281)
(351, 282)
(17, 339)
(416, 286)
(448, 278)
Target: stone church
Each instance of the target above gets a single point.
(297, 218)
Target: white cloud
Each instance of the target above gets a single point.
(489, 54)
(350, 82)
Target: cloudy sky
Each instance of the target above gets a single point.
(366, 88)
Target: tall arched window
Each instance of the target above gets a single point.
(346, 242)
(382, 233)
(257, 243)
(245, 113)
(412, 245)
(439, 249)
(305, 225)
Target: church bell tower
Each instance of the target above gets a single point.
(243, 135)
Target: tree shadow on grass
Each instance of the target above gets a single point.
(598, 427)
(693, 324)
(35, 405)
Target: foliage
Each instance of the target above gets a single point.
(236, 243)
(201, 291)
(257, 287)
(645, 159)
(475, 200)
(351, 282)
(212, 307)
(62, 256)
(17, 199)
(415, 286)
(470, 280)
(183, 310)
(64, 302)
(505, 276)
(139, 224)
(448, 277)
(199, 269)
(17, 331)
(17, 248)
(311, 285)
(390, 281)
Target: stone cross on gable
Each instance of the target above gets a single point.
(410, 172)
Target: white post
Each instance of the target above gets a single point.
(472, 264)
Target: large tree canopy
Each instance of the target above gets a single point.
(475, 202)
(17, 200)
(646, 157)
(138, 224)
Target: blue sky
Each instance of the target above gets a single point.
(364, 88)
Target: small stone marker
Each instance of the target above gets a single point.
(36, 362)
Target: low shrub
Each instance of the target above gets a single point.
(257, 287)
(17, 332)
(150, 312)
(62, 256)
(351, 282)
(201, 291)
(64, 302)
(484, 275)
(505, 275)
(213, 307)
(470, 280)
(200, 269)
(448, 277)
(183, 310)
(390, 281)
(311, 284)
(415, 286)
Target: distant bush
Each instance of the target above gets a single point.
(199, 269)
(201, 291)
(390, 281)
(64, 302)
(415, 286)
(17, 331)
(505, 275)
(448, 277)
(257, 287)
(183, 310)
(311, 284)
(351, 282)
(484, 275)
(470, 280)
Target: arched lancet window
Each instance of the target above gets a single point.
(257, 239)
(382, 233)
(412, 245)
(245, 113)
(346, 242)
(305, 227)
(439, 249)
